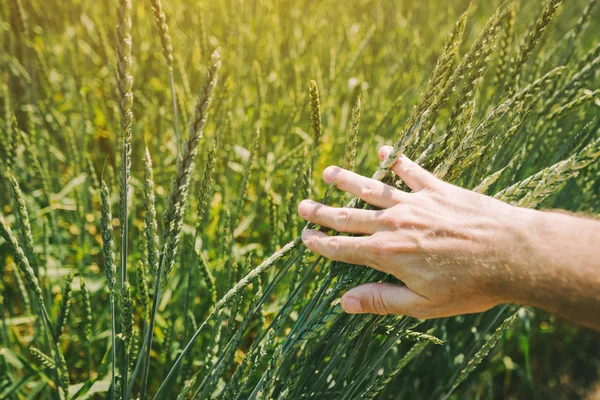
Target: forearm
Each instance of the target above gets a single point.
(556, 265)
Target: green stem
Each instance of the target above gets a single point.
(264, 266)
(176, 118)
(150, 333)
(124, 251)
(113, 350)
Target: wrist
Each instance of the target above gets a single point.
(528, 260)
(517, 276)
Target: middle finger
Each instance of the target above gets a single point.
(348, 220)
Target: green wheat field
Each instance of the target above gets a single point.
(153, 154)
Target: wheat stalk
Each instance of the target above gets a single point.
(33, 283)
(23, 222)
(316, 119)
(373, 390)
(65, 306)
(531, 39)
(352, 137)
(109, 269)
(167, 48)
(125, 84)
(43, 359)
(87, 321)
(150, 224)
(485, 349)
(206, 276)
(176, 202)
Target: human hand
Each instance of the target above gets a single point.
(449, 246)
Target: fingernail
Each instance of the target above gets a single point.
(351, 305)
(385, 151)
(304, 208)
(330, 173)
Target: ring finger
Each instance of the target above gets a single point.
(349, 249)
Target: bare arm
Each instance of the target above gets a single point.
(457, 251)
(562, 273)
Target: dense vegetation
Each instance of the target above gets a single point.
(201, 125)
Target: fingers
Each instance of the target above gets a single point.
(348, 220)
(383, 298)
(373, 192)
(412, 174)
(352, 250)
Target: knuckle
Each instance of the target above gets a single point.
(366, 192)
(334, 247)
(409, 222)
(407, 217)
(391, 221)
(417, 244)
(379, 304)
(407, 170)
(382, 248)
(313, 211)
(343, 218)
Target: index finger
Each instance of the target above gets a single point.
(370, 190)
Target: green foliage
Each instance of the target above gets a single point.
(226, 302)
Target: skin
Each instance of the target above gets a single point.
(456, 251)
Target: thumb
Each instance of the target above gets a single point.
(383, 298)
(410, 172)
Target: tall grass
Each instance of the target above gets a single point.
(226, 302)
